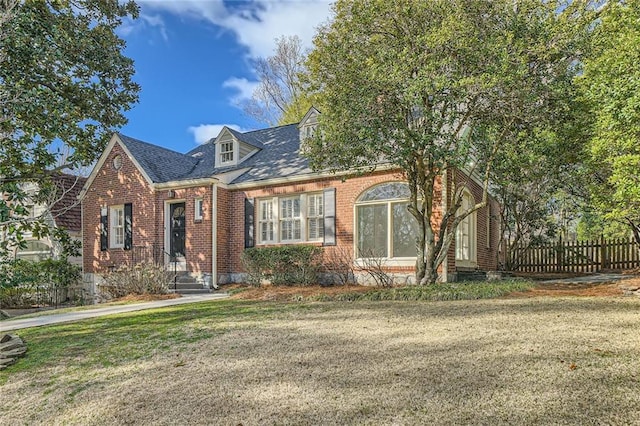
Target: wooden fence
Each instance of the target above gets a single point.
(576, 256)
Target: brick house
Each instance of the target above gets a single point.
(61, 211)
(201, 209)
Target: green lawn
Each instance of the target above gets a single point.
(501, 361)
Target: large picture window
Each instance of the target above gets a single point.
(384, 226)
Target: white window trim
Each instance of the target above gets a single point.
(389, 260)
(113, 243)
(275, 202)
(198, 212)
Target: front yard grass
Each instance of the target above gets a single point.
(536, 360)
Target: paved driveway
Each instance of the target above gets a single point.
(16, 324)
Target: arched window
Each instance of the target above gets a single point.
(384, 226)
(466, 233)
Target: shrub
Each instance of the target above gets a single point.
(284, 265)
(143, 278)
(24, 283)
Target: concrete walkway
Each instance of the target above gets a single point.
(17, 324)
(596, 278)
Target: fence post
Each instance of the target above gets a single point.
(603, 253)
(559, 255)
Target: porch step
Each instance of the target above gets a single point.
(192, 290)
(186, 284)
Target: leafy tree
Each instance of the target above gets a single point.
(279, 98)
(611, 87)
(434, 87)
(64, 87)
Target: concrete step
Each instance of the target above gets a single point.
(185, 285)
(192, 290)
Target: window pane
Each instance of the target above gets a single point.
(372, 230)
(405, 229)
(387, 191)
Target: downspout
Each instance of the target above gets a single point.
(443, 202)
(214, 236)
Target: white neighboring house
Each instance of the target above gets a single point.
(64, 212)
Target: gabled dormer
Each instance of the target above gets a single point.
(232, 148)
(308, 124)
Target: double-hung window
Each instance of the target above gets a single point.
(266, 221)
(290, 219)
(315, 217)
(117, 226)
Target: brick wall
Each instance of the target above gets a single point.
(347, 192)
(127, 185)
(113, 187)
(487, 234)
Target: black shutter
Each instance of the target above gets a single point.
(248, 222)
(329, 203)
(104, 231)
(128, 226)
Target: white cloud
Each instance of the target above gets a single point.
(130, 26)
(256, 24)
(243, 87)
(205, 132)
(156, 21)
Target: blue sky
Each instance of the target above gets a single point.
(193, 61)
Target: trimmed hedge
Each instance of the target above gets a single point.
(283, 265)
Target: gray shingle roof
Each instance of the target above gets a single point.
(278, 156)
(160, 164)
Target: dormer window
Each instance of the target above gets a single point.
(308, 131)
(308, 124)
(226, 152)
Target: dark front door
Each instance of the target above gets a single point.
(177, 231)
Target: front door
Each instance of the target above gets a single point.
(177, 230)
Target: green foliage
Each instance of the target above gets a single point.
(593, 225)
(283, 265)
(20, 280)
(611, 88)
(435, 86)
(441, 291)
(64, 88)
(143, 278)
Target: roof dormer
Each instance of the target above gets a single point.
(232, 149)
(308, 124)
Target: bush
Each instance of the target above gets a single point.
(23, 283)
(144, 278)
(284, 265)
